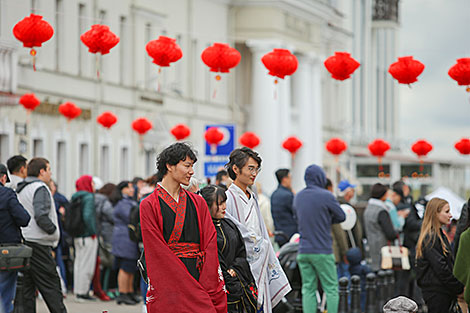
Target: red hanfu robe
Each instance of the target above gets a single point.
(171, 287)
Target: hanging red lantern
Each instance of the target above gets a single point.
(181, 131)
(220, 57)
(292, 144)
(213, 137)
(33, 31)
(164, 51)
(107, 119)
(69, 110)
(336, 146)
(29, 101)
(142, 125)
(250, 140)
(280, 63)
(460, 72)
(406, 70)
(463, 146)
(378, 148)
(341, 65)
(421, 148)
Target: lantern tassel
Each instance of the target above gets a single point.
(275, 89)
(213, 149)
(217, 79)
(33, 55)
(97, 60)
(381, 168)
(28, 117)
(421, 166)
(158, 78)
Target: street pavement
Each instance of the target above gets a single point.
(91, 306)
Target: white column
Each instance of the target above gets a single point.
(265, 114)
(307, 96)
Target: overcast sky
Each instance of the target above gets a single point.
(436, 32)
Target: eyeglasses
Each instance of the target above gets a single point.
(254, 170)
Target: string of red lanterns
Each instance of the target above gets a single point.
(213, 137)
(70, 110)
(378, 148)
(180, 131)
(29, 101)
(341, 65)
(250, 140)
(107, 119)
(406, 70)
(292, 144)
(421, 148)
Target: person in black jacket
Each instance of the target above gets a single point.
(12, 217)
(281, 207)
(435, 260)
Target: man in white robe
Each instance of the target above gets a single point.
(243, 210)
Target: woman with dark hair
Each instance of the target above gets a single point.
(125, 251)
(242, 292)
(435, 260)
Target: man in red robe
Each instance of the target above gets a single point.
(180, 242)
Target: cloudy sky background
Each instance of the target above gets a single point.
(436, 32)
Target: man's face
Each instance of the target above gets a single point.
(248, 173)
(45, 174)
(129, 190)
(406, 190)
(395, 197)
(3, 179)
(140, 184)
(349, 194)
(182, 171)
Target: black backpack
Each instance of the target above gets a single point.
(74, 224)
(135, 232)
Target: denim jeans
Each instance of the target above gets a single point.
(7, 290)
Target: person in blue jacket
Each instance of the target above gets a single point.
(12, 217)
(316, 209)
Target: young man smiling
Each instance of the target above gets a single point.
(243, 209)
(180, 241)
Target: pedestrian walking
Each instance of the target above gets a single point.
(125, 251)
(462, 264)
(242, 293)
(317, 209)
(243, 209)
(17, 166)
(281, 207)
(12, 217)
(180, 241)
(41, 234)
(86, 243)
(435, 260)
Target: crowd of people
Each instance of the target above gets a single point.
(213, 249)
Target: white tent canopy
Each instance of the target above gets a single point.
(455, 202)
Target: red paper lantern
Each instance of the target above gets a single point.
(69, 110)
(292, 144)
(379, 147)
(406, 70)
(336, 146)
(213, 137)
(421, 148)
(460, 72)
(181, 131)
(33, 31)
(99, 39)
(107, 119)
(341, 65)
(29, 101)
(164, 51)
(250, 140)
(142, 125)
(280, 63)
(220, 57)
(463, 146)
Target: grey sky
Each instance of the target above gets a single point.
(435, 32)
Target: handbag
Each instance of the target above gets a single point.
(104, 251)
(15, 257)
(455, 307)
(395, 257)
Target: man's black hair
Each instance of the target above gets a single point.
(173, 155)
(15, 163)
(281, 173)
(116, 195)
(220, 174)
(213, 194)
(35, 166)
(397, 187)
(378, 191)
(136, 179)
(239, 157)
(328, 183)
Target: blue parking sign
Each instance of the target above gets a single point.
(211, 168)
(228, 143)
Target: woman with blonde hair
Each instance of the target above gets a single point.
(435, 261)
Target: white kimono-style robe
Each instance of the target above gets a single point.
(270, 279)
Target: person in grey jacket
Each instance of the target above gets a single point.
(378, 224)
(41, 234)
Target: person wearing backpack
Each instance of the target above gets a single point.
(125, 251)
(85, 242)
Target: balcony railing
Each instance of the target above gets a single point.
(385, 10)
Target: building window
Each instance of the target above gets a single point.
(124, 163)
(38, 148)
(4, 153)
(84, 160)
(104, 163)
(61, 164)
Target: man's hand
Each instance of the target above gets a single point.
(232, 272)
